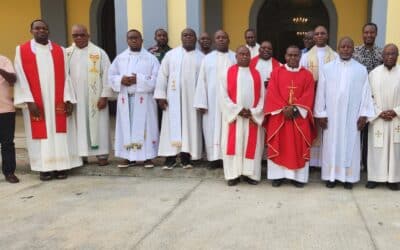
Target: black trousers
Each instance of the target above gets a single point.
(7, 129)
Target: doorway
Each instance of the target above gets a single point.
(284, 22)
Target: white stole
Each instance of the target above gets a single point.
(132, 107)
(174, 100)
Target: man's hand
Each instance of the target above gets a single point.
(34, 110)
(162, 103)
(245, 113)
(128, 80)
(288, 113)
(102, 103)
(322, 122)
(362, 121)
(388, 115)
(69, 108)
(202, 110)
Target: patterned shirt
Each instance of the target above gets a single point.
(370, 58)
(159, 52)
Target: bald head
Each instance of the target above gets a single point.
(205, 42)
(221, 40)
(188, 38)
(243, 56)
(390, 55)
(345, 48)
(80, 35)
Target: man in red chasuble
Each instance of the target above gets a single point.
(290, 123)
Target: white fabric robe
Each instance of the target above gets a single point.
(253, 50)
(59, 151)
(212, 74)
(189, 66)
(78, 71)
(237, 165)
(316, 149)
(384, 136)
(145, 66)
(343, 95)
(276, 171)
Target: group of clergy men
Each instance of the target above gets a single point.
(243, 105)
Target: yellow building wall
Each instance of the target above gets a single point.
(234, 22)
(134, 12)
(78, 12)
(176, 21)
(392, 23)
(15, 19)
(352, 15)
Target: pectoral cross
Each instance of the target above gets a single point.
(123, 100)
(141, 99)
(291, 93)
(397, 129)
(378, 134)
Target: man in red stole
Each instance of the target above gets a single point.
(242, 101)
(44, 93)
(264, 62)
(290, 125)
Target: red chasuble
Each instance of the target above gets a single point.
(29, 65)
(289, 141)
(253, 127)
(254, 61)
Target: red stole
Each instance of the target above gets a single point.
(253, 127)
(29, 65)
(254, 61)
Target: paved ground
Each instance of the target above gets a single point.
(108, 212)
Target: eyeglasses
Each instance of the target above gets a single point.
(78, 35)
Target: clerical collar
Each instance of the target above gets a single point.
(292, 69)
(322, 48)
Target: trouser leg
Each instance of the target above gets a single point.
(364, 147)
(7, 129)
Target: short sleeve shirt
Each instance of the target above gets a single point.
(6, 91)
(370, 58)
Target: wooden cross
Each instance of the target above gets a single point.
(378, 133)
(291, 93)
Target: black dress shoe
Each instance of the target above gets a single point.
(250, 181)
(371, 184)
(46, 176)
(394, 186)
(233, 182)
(348, 185)
(297, 184)
(330, 184)
(61, 175)
(215, 164)
(11, 178)
(277, 182)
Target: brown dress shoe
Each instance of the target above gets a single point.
(46, 176)
(60, 175)
(102, 162)
(11, 178)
